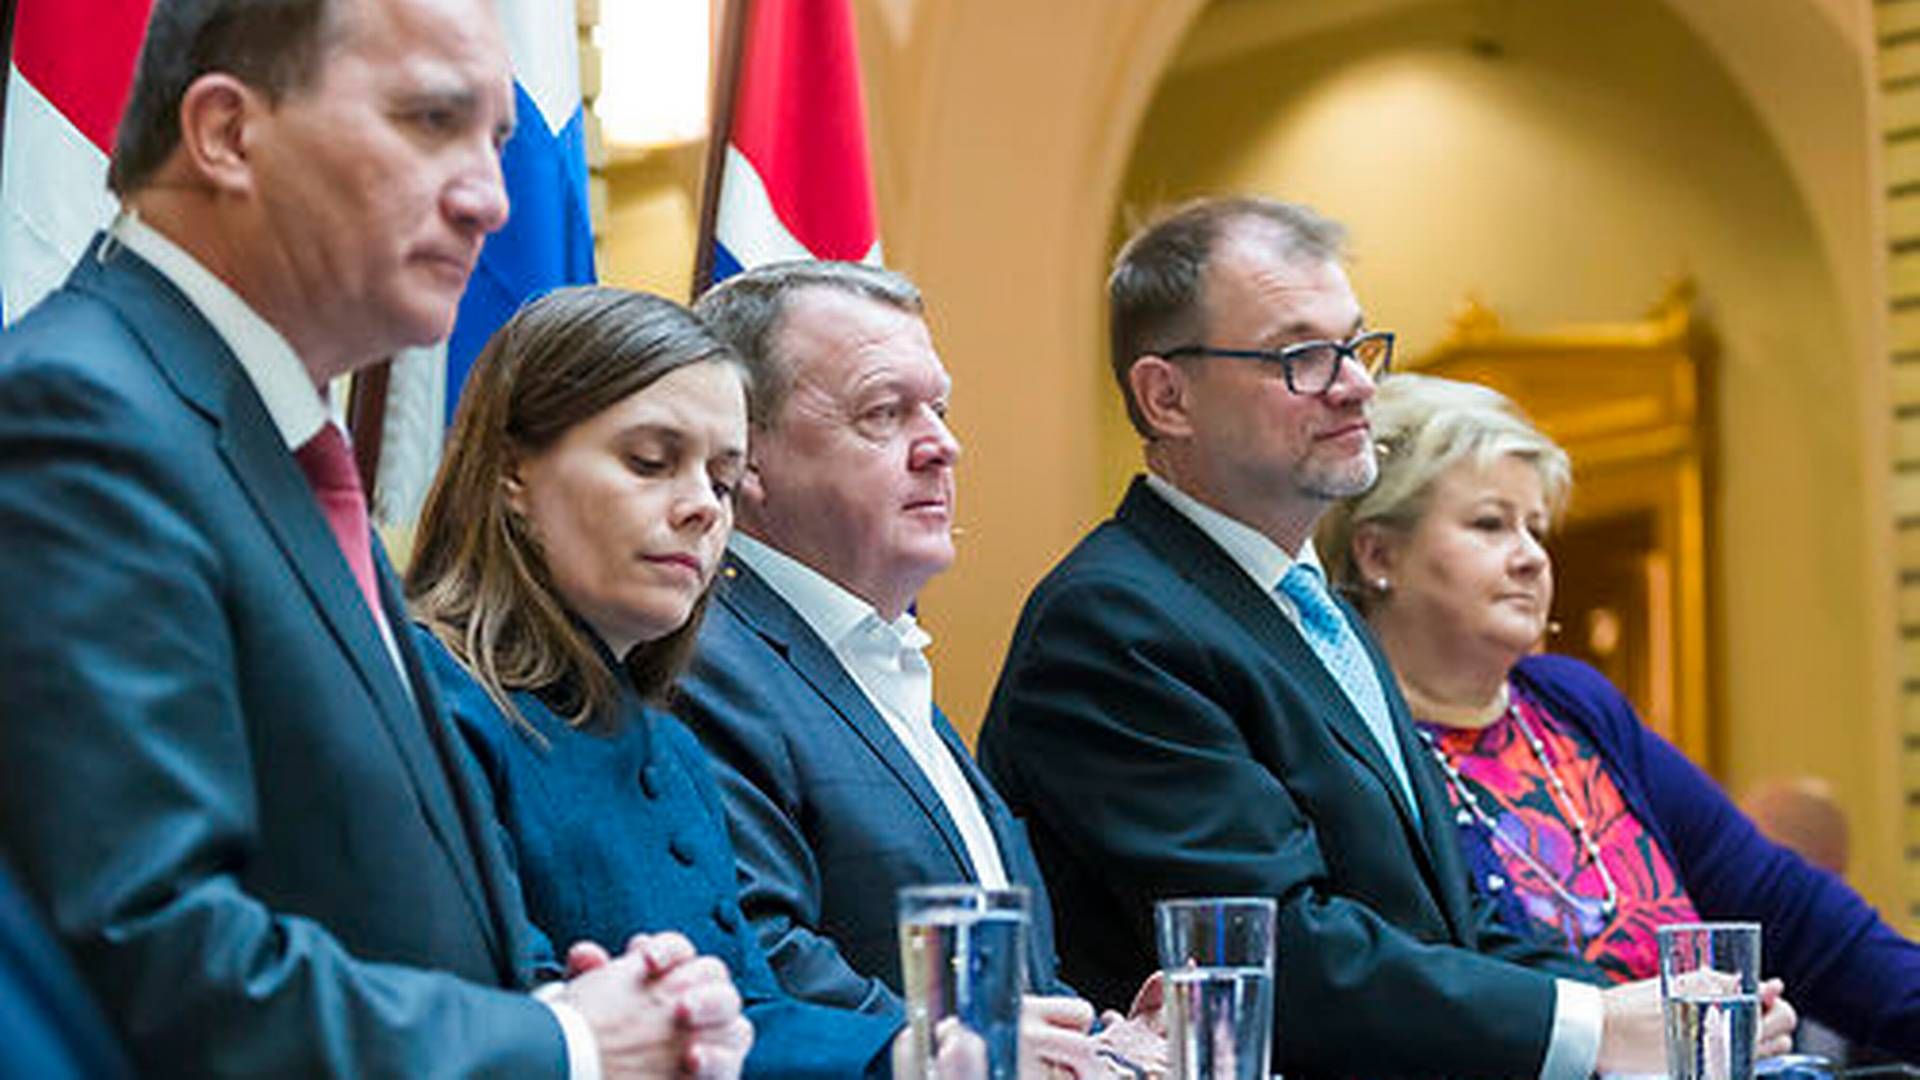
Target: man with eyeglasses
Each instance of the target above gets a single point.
(1186, 710)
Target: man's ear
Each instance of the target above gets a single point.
(1162, 393)
(752, 489)
(751, 495)
(218, 114)
(1376, 552)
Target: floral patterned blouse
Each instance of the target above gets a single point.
(1511, 786)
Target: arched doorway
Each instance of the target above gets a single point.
(1008, 139)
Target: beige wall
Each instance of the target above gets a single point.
(1611, 147)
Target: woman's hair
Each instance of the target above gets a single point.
(1425, 426)
(478, 578)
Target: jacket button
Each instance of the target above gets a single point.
(681, 850)
(650, 782)
(723, 917)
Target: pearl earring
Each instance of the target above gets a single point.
(1381, 584)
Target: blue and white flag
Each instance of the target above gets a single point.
(546, 243)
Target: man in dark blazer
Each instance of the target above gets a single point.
(222, 774)
(1169, 729)
(49, 1027)
(843, 781)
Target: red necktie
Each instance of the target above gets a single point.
(335, 480)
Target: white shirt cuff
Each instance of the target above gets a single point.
(1573, 1049)
(583, 1050)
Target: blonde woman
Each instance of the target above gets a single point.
(1577, 821)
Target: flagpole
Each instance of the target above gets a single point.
(6, 50)
(367, 420)
(733, 32)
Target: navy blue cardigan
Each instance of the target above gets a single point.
(623, 831)
(1843, 966)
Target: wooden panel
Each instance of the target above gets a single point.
(590, 72)
(1903, 217)
(598, 202)
(597, 153)
(1900, 61)
(1903, 274)
(1906, 439)
(1900, 110)
(1891, 19)
(1906, 503)
(1903, 161)
(1898, 28)
(1910, 606)
(1906, 376)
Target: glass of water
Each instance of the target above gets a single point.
(1710, 989)
(1217, 957)
(963, 957)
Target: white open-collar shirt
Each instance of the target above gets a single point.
(887, 662)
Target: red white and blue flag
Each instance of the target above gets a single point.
(70, 69)
(795, 181)
(546, 243)
(67, 80)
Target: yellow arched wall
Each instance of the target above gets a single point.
(1003, 132)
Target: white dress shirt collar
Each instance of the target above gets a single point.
(1250, 549)
(282, 381)
(887, 662)
(828, 609)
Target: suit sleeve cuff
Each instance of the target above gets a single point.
(583, 1050)
(1573, 1049)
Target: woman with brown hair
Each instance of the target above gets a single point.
(562, 564)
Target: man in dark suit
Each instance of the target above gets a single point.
(222, 773)
(843, 780)
(1186, 711)
(49, 1027)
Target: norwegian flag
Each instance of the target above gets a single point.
(67, 81)
(794, 182)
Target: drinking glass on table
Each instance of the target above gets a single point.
(1216, 954)
(1710, 990)
(963, 958)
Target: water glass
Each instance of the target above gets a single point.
(1216, 954)
(963, 958)
(1710, 990)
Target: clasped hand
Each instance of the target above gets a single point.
(659, 1009)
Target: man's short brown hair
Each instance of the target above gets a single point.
(275, 46)
(1156, 293)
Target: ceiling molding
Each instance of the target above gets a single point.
(1231, 29)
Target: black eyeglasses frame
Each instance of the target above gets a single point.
(1343, 351)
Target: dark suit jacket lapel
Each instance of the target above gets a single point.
(205, 372)
(1446, 869)
(755, 602)
(459, 803)
(1193, 554)
(1016, 857)
(1007, 833)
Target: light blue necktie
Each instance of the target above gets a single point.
(1339, 648)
